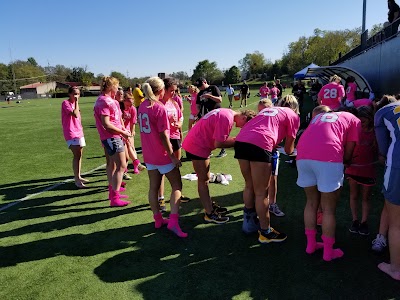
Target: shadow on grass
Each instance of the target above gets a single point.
(18, 190)
(215, 261)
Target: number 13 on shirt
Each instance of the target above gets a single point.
(144, 123)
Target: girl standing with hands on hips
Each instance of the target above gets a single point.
(107, 114)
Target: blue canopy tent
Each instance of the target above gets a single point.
(302, 74)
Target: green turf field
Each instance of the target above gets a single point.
(68, 244)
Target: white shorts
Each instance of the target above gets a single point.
(163, 169)
(77, 142)
(327, 176)
(192, 117)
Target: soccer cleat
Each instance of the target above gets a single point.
(161, 203)
(379, 243)
(363, 229)
(222, 153)
(274, 208)
(355, 226)
(126, 176)
(141, 167)
(184, 199)
(215, 218)
(251, 223)
(272, 236)
(219, 209)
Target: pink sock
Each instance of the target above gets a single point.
(312, 244)
(116, 200)
(122, 189)
(173, 225)
(329, 252)
(159, 221)
(136, 163)
(123, 184)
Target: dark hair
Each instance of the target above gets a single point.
(168, 82)
(397, 96)
(71, 89)
(385, 100)
(137, 84)
(351, 110)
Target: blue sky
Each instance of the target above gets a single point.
(147, 37)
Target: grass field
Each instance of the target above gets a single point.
(68, 244)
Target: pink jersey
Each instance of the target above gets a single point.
(72, 126)
(274, 92)
(193, 106)
(364, 156)
(174, 115)
(270, 127)
(264, 91)
(362, 102)
(214, 126)
(325, 137)
(106, 106)
(178, 100)
(130, 117)
(351, 91)
(153, 120)
(331, 94)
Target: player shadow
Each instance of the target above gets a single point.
(92, 215)
(219, 262)
(18, 190)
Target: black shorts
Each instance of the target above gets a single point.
(176, 144)
(194, 157)
(252, 152)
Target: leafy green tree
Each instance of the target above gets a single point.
(375, 29)
(57, 73)
(232, 75)
(123, 81)
(32, 61)
(209, 71)
(255, 63)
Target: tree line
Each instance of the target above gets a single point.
(321, 48)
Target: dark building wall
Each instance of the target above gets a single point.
(380, 65)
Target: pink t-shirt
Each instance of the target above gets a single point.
(270, 127)
(72, 127)
(364, 156)
(214, 126)
(174, 115)
(106, 106)
(178, 100)
(153, 120)
(331, 94)
(193, 106)
(325, 137)
(130, 117)
(351, 91)
(362, 102)
(274, 93)
(264, 91)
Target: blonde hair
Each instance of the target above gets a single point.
(250, 114)
(193, 88)
(334, 78)
(152, 88)
(291, 102)
(320, 109)
(107, 82)
(265, 102)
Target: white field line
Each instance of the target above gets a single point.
(47, 189)
(4, 207)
